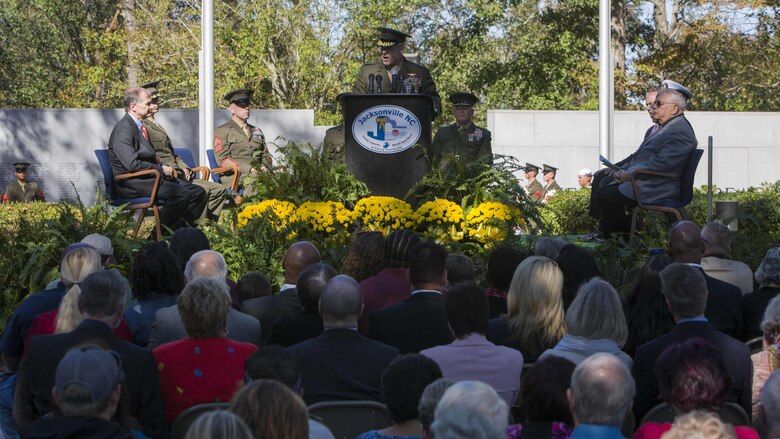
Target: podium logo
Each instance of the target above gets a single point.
(386, 129)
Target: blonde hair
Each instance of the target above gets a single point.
(76, 265)
(699, 424)
(535, 307)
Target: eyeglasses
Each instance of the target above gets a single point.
(658, 104)
(21, 170)
(242, 103)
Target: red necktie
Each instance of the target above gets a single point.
(144, 132)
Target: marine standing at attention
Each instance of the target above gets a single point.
(22, 189)
(462, 140)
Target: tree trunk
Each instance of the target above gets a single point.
(619, 34)
(133, 69)
(661, 25)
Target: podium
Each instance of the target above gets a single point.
(386, 136)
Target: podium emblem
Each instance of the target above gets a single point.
(386, 129)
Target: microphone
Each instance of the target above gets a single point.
(378, 83)
(395, 82)
(371, 83)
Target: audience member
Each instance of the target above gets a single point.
(600, 397)
(420, 321)
(168, 325)
(341, 364)
(101, 303)
(769, 419)
(724, 302)
(428, 401)
(753, 305)
(103, 246)
(219, 424)
(685, 291)
(534, 321)
(271, 410)
(290, 330)
(647, 314)
(578, 265)
(501, 266)
(392, 284)
(86, 391)
(544, 406)
(471, 356)
(549, 247)
(701, 425)
(156, 282)
(691, 376)
(252, 285)
(267, 310)
(206, 366)
(470, 410)
(716, 238)
(767, 361)
(460, 268)
(403, 383)
(594, 323)
(364, 255)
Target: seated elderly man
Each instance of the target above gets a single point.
(667, 150)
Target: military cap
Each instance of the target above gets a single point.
(151, 87)
(462, 99)
(548, 168)
(21, 166)
(390, 37)
(671, 85)
(242, 94)
(529, 167)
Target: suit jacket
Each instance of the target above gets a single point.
(269, 309)
(735, 355)
(32, 396)
(724, 306)
(753, 308)
(131, 152)
(734, 272)
(168, 327)
(417, 323)
(388, 287)
(290, 330)
(342, 365)
(406, 68)
(668, 151)
(474, 358)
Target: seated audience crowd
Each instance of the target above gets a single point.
(437, 345)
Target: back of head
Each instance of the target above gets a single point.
(770, 403)
(299, 256)
(103, 293)
(549, 247)
(470, 410)
(460, 268)
(543, 391)
(403, 383)
(685, 290)
(578, 265)
(251, 285)
(364, 255)
(77, 264)
(274, 363)
(647, 314)
(692, 376)
(684, 242)
(208, 264)
(85, 379)
(427, 263)
(310, 284)
(271, 410)
(187, 241)
(204, 305)
(156, 270)
(217, 425)
(768, 272)
(597, 313)
(341, 302)
(397, 247)
(700, 425)
(468, 309)
(602, 390)
(429, 400)
(501, 266)
(716, 238)
(770, 323)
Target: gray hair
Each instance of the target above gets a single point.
(219, 424)
(685, 290)
(675, 97)
(470, 410)
(133, 96)
(430, 399)
(549, 247)
(768, 271)
(602, 389)
(208, 264)
(770, 324)
(717, 234)
(597, 312)
(103, 293)
(770, 400)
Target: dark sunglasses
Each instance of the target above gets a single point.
(21, 170)
(244, 103)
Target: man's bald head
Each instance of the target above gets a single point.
(299, 257)
(684, 242)
(341, 302)
(208, 264)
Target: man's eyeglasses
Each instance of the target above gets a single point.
(658, 104)
(21, 170)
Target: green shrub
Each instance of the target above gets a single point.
(566, 213)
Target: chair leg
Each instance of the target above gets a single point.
(157, 222)
(634, 220)
(141, 214)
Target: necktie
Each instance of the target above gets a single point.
(144, 132)
(246, 131)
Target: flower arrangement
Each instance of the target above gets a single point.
(281, 214)
(385, 214)
(442, 219)
(325, 216)
(489, 222)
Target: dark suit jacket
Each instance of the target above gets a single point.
(753, 307)
(342, 365)
(724, 306)
(32, 396)
(406, 67)
(168, 327)
(668, 151)
(131, 152)
(290, 330)
(734, 353)
(269, 309)
(417, 323)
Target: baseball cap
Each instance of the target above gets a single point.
(96, 369)
(100, 243)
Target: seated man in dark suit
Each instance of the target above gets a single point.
(724, 300)
(420, 321)
(341, 364)
(130, 151)
(102, 303)
(268, 309)
(667, 150)
(685, 291)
